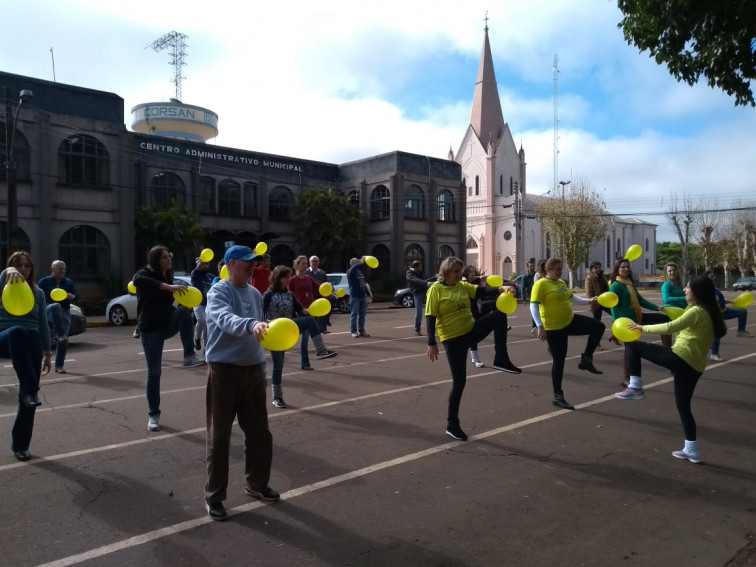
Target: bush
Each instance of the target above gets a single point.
(93, 307)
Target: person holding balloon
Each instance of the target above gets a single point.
(733, 312)
(261, 274)
(359, 294)
(59, 291)
(236, 383)
(447, 310)
(24, 336)
(159, 320)
(321, 277)
(201, 279)
(470, 275)
(551, 310)
(696, 328)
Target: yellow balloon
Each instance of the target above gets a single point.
(672, 312)
(494, 281)
(192, 297)
(261, 248)
(131, 287)
(743, 300)
(371, 261)
(224, 273)
(634, 252)
(325, 289)
(58, 294)
(320, 307)
(282, 334)
(620, 330)
(206, 255)
(608, 299)
(18, 298)
(340, 292)
(506, 303)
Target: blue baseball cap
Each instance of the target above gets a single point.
(237, 252)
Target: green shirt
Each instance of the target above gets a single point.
(695, 332)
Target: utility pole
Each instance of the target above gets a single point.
(11, 120)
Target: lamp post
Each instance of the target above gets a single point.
(564, 185)
(11, 122)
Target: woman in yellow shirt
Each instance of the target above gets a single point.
(696, 328)
(447, 309)
(552, 312)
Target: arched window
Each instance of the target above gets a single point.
(380, 203)
(83, 160)
(444, 251)
(414, 203)
(647, 247)
(22, 241)
(382, 254)
(354, 197)
(282, 255)
(86, 251)
(251, 200)
(279, 204)
(206, 194)
(445, 210)
(166, 187)
(229, 198)
(414, 252)
(511, 186)
(609, 252)
(501, 185)
(21, 155)
(619, 247)
(477, 185)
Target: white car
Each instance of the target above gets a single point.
(122, 309)
(339, 281)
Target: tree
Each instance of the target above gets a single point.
(713, 38)
(681, 214)
(575, 222)
(328, 225)
(706, 223)
(175, 227)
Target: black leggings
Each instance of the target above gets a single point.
(685, 377)
(557, 341)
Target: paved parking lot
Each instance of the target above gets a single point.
(368, 476)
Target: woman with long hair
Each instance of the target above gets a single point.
(447, 309)
(23, 339)
(696, 328)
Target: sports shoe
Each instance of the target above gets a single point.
(745, 334)
(534, 331)
(216, 511)
(267, 494)
(631, 394)
(153, 424)
(692, 457)
(478, 363)
(475, 359)
(716, 358)
(279, 402)
(419, 333)
(560, 402)
(355, 335)
(135, 334)
(326, 354)
(364, 334)
(586, 363)
(506, 367)
(456, 432)
(192, 361)
(197, 344)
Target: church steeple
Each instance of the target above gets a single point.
(487, 118)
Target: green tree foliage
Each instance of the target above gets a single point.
(713, 38)
(668, 252)
(328, 225)
(175, 227)
(575, 222)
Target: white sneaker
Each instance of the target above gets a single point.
(716, 358)
(475, 359)
(153, 424)
(692, 457)
(745, 334)
(192, 361)
(630, 394)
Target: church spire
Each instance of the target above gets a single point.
(487, 118)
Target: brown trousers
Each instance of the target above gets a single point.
(237, 392)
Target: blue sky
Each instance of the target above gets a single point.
(338, 81)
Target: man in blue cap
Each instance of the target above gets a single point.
(236, 383)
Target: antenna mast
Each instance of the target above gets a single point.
(178, 52)
(556, 123)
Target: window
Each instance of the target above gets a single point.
(229, 198)
(414, 203)
(507, 235)
(471, 244)
(444, 251)
(279, 204)
(477, 185)
(354, 197)
(22, 241)
(414, 252)
(501, 185)
(282, 255)
(206, 195)
(83, 160)
(647, 247)
(382, 254)
(251, 200)
(166, 187)
(380, 203)
(445, 210)
(21, 154)
(511, 186)
(86, 250)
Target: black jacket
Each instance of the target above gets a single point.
(154, 306)
(417, 283)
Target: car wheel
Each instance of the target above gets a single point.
(343, 304)
(118, 316)
(408, 300)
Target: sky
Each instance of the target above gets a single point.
(337, 81)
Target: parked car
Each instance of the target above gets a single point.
(403, 296)
(339, 281)
(748, 283)
(122, 309)
(78, 324)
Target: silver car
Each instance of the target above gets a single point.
(122, 309)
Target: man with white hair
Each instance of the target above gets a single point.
(59, 311)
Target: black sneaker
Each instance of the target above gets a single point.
(326, 354)
(267, 494)
(560, 402)
(507, 367)
(456, 432)
(216, 511)
(197, 344)
(586, 363)
(279, 402)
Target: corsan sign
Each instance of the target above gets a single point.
(219, 156)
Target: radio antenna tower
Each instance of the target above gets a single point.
(178, 52)
(556, 123)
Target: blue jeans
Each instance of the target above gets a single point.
(153, 342)
(307, 327)
(24, 349)
(357, 311)
(731, 313)
(419, 309)
(61, 321)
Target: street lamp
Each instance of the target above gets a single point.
(10, 163)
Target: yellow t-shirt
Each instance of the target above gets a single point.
(553, 298)
(450, 305)
(694, 331)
